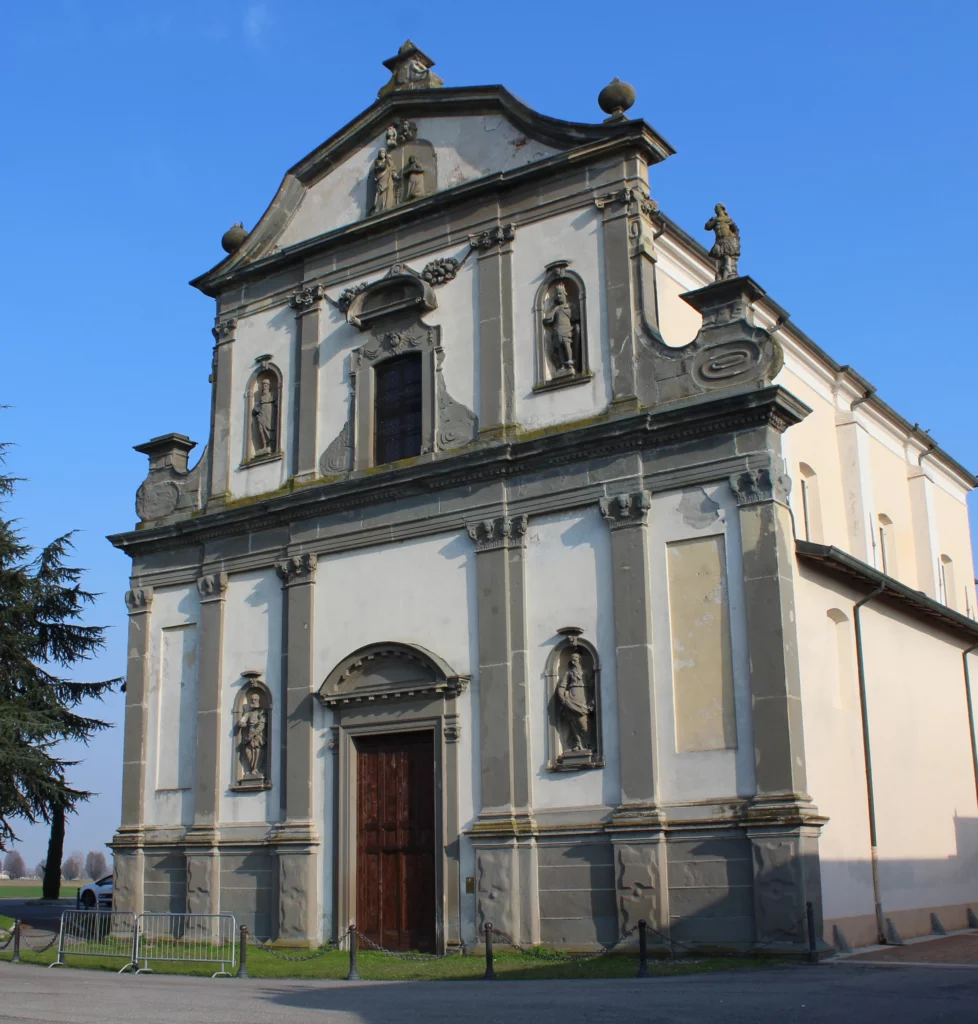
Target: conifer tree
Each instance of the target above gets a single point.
(41, 603)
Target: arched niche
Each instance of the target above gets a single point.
(263, 412)
(560, 316)
(573, 673)
(252, 734)
(399, 292)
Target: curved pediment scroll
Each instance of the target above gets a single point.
(402, 290)
(389, 671)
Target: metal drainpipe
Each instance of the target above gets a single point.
(870, 798)
(971, 711)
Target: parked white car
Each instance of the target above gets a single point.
(96, 895)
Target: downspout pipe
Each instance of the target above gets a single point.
(870, 796)
(971, 712)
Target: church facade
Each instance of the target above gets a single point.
(538, 571)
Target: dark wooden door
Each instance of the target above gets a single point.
(396, 840)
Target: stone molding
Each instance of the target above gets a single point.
(624, 510)
(757, 485)
(305, 300)
(493, 238)
(139, 600)
(224, 330)
(213, 587)
(624, 196)
(298, 569)
(501, 532)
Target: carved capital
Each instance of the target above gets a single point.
(623, 510)
(224, 330)
(493, 238)
(452, 730)
(501, 532)
(308, 298)
(298, 569)
(139, 600)
(757, 485)
(213, 587)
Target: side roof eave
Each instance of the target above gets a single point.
(468, 100)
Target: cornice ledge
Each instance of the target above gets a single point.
(445, 688)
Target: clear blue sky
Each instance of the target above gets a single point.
(841, 136)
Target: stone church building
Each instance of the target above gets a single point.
(538, 570)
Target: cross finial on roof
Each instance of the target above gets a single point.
(410, 68)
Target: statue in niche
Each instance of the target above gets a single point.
(726, 248)
(561, 322)
(576, 705)
(385, 183)
(413, 174)
(264, 417)
(253, 729)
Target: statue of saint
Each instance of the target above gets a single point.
(561, 323)
(572, 698)
(264, 416)
(414, 178)
(392, 136)
(253, 726)
(385, 178)
(726, 248)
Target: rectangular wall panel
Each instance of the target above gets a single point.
(702, 663)
(177, 713)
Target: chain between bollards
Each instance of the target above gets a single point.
(354, 974)
(15, 959)
(243, 953)
(812, 948)
(490, 974)
(643, 949)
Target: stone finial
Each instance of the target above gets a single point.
(233, 238)
(410, 68)
(615, 98)
(726, 248)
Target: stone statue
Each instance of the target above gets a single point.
(385, 188)
(414, 179)
(253, 726)
(561, 323)
(391, 136)
(575, 706)
(264, 417)
(726, 249)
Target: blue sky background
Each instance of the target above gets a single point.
(841, 136)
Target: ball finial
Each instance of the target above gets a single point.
(233, 238)
(615, 98)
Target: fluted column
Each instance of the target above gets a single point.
(308, 304)
(219, 449)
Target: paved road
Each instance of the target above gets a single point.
(46, 918)
(816, 995)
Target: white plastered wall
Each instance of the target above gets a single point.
(252, 642)
(267, 332)
(466, 148)
(568, 583)
(575, 236)
(171, 729)
(420, 592)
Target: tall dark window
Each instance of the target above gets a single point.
(397, 423)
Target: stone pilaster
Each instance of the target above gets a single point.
(497, 386)
(636, 830)
(219, 449)
(203, 867)
(783, 825)
(300, 919)
(506, 872)
(308, 304)
(127, 844)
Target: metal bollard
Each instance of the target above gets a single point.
(243, 953)
(354, 974)
(15, 959)
(490, 974)
(812, 948)
(643, 949)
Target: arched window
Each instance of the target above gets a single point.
(842, 645)
(811, 510)
(945, 580)
(887, 545)
(397, 405)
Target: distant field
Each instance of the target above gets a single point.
(30, 888)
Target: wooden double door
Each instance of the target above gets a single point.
(396, 840)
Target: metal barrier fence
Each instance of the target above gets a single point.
(187, 938)
(98, 933)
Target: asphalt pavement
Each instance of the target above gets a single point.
(819, 994)
(44, 917)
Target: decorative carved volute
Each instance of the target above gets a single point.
(623, 510)
(756, 485)
(501, 532)
(308, 298)
(139, 600)
(493, 238)
(298, 569)
(213, 587)
(224, 330)
(169, 486)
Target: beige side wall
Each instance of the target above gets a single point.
(924, 782)
(954, 540)
(891, 495)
